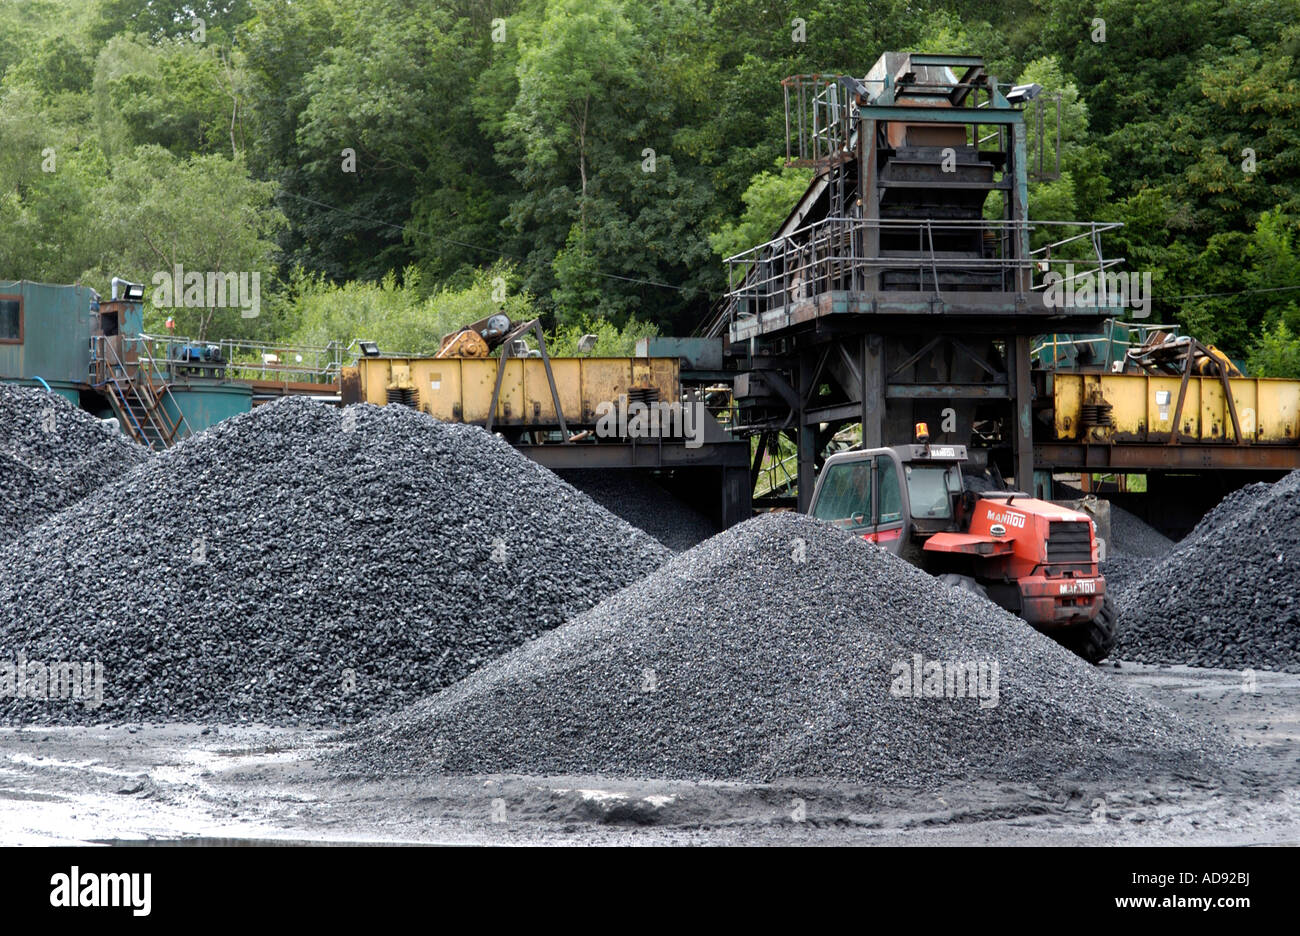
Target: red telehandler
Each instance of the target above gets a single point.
(1032, 557)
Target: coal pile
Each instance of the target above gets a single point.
(785, 648)
(1226, 595)
(1134, 547)
(53, 454)
(1131, 536)
(1121, 572)
(302, 564)
(642, 502)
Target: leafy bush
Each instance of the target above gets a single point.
(1276, 353)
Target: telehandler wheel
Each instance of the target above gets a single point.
(1094, 640)
(965, 583)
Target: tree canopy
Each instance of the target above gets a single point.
(604, 156)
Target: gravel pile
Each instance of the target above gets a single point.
(1226, 595)
(53, 454)
(784, 648)
(302, 564)
(1132, 549)
(646, 505)
(1133, 537)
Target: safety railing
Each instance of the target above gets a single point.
(859, 255)
(137, 388)
(1048, 351)
(818, 119)
(180, 359)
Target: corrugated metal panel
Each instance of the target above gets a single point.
(56, 333)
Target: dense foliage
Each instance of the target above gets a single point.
(387, 164)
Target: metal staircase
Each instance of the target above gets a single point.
(122, 368)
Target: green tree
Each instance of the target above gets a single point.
(203, 213)
(1276, 353)
(175, 94)
(612, 214)
(611, 341)
(570, 73)
(163, 19)
(48, 178)
(769, 199)
(401, 317)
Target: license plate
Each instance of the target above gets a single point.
(1081, 587)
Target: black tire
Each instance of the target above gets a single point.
(1095, 639)
(964, 583)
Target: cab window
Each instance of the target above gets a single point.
(845, 495)
(930, 489)
(887, 490)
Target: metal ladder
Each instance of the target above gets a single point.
(138, 401)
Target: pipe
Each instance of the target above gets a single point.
(43, 383)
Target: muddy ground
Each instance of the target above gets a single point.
(152, 784)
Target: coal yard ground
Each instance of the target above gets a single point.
(245, 785)
(309, 624)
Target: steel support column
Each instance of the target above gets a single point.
(1022, 410)
(807, 435)
(873, 391)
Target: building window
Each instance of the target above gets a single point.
(11, 319)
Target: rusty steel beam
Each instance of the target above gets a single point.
(1138, 456)
(647, 454)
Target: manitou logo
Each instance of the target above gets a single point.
(75, 889)
(1006, 517)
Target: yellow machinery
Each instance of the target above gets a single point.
(1164, 352)
(460, 389)
(477, 340)
(515, 391)
(1149, 408)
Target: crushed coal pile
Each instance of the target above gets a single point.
(1225, 596)
(642, 502)
(1131, 536)
(1121, 572)
(785, 648)
(302, 564)
(1133, 547)
(52, 454)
